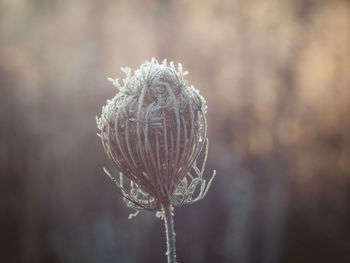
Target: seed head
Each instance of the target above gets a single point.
(153, 131)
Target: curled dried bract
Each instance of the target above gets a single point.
(153, 131)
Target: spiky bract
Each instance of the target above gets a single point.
(153, 131)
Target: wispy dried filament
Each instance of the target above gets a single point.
(153, 131)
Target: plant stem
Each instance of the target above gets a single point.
(170, 233)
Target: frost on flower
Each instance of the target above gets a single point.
(153, 131)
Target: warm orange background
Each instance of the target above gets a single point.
(276, 76)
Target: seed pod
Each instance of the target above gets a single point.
(153, 131)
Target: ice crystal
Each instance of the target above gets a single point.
(153, 131)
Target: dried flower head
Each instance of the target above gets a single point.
(153, 131)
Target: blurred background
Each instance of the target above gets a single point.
(276, 76)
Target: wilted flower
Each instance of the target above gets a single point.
(153, 131)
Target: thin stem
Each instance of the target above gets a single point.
(170, 233)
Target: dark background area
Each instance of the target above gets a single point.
(276, 76)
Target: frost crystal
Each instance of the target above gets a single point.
(153, 131)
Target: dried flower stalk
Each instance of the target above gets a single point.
(153, 131)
